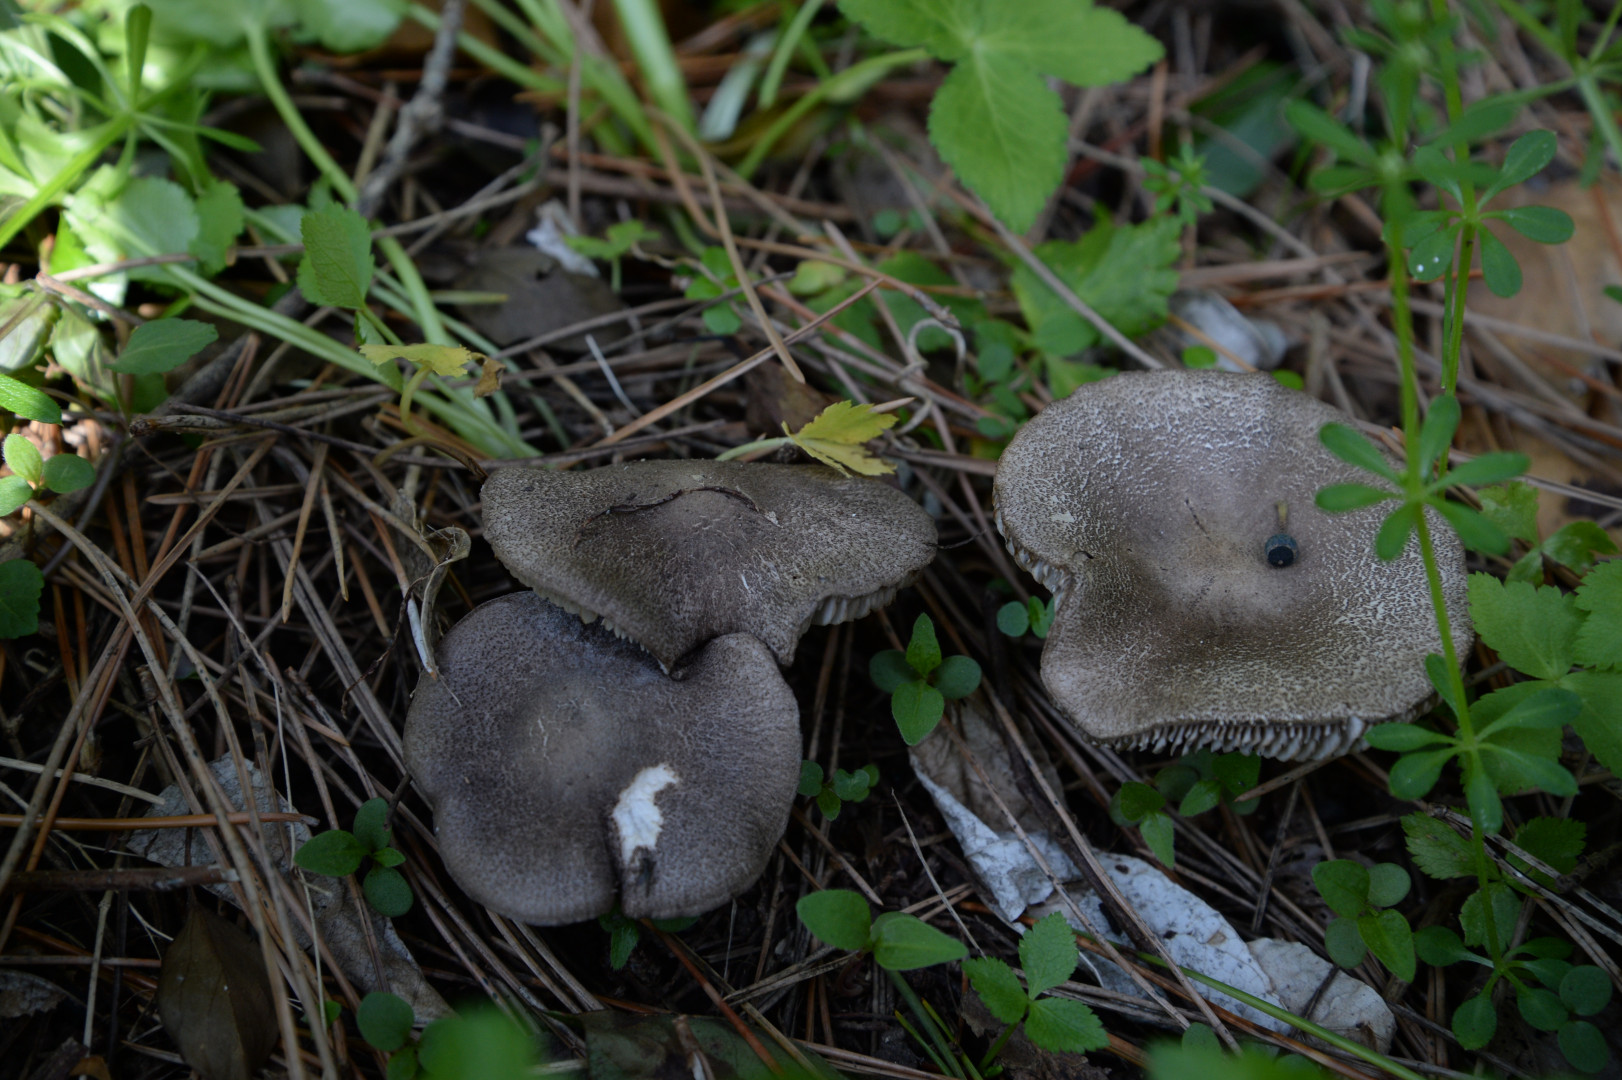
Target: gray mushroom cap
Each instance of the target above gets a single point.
(673, 553)
(1144, 503)
(564, 767)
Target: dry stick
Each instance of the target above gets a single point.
(1272, 860)
(423, 112)
(681, 401)
(175, 821)
(310, 487)
(200, 768)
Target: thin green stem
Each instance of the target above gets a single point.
(1594, 97)
(916, 1007)
(409, 392)
(751, 447)
(64, 178)
(996, 1047)
(1458, 284)
(784, 51)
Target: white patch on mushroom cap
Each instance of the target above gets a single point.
(636, 816)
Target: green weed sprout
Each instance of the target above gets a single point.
(1176, 185)
(339, 853)
(1035, 616)
(1362, 898)
(479, 1044)
(1048, 955)
(898, 942)
(832, 794)
(1197, 782)
(1513, 507)
(920, 682)
(620, 239)
(624, 934)
(837, 437)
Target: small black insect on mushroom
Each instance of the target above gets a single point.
(1281, 550)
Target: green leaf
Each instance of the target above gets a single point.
(1013, 619)
(163, 345)
(1513, 508)
(446, 361)
(1599, 639)
(23, 458)
(1048, 953)
(998, 987)
(27, 402)
(1533, 629)
(1317, 126)
(1475, 531)
(904, 942)
(1498, 266)
(1487, 469)
(917, 707)
(1160, 834)
(1534, 709)
(402, 1064)
(1436, 670)
(1395, 530)
(387, 891)
(1344, 943)
(829, 802)
(1432, 256)
(1481, 795)
(1599, 725)
(944, 27)
(837, 917)
(67, 472)
(349, 26)
(1414, 774)
(384, 1021)
(957, 677)
(14, 492)
(810, 779)
(1544, 224)
(1527, 157)
(219, 221)
(337, 267)
(21, 584)
(1439, 946)
(1403, 737)
(1584, 1046)
(1576, 543)
(623, 936)
(1339, 498)
(371, 824)
(1352, 447)
(889, 669)
(1436, 434)
(1585, 990)
(923, 651)
(1124, 272)
(1064, 1026)
(1506, 908)
(334, 853)
(1542, 1009)
(1388, 884)
(1082, 43)
(1203, 796)
(387, 856)
(1388, 937)
(1474, 1022)
(851, 786)
(1136, 800)
(1436, 849)
(1344, 885)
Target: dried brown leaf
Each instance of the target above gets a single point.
(214, 998)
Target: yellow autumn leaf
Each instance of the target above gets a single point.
(443, 360)
(835, 437)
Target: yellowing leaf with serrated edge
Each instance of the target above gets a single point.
(835, 437)
(445, 360)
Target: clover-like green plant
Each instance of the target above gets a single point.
(831, 794)
(32, 473)
(621, 238)
(898, 942)
(920, 681)
(1362, 898)
(1034, 616)
(1197, 782)
(1178, 184)
(1048, 955)
(339, 853)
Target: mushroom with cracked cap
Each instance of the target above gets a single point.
(1185, 616)
(564, 766)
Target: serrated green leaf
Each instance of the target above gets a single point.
(1576, 544)
(904, 942)
(1473, 913)
(219, 221)
(946, 28)
(1600, 723)
(1512, 507)
(1123, 272)
(835, 437)
(1064, 1026)
(1599, 639)
(1048, 953)
(67, 472)
(837, 917)
(23, 458)
(163, 345)
(998, 987)
(1556, 842)
(349, 26)
(1436, 849)
(387, 891)
(337, 267)
(1533, 629)
(384, 1021)
(1080, 42)
(21, 584)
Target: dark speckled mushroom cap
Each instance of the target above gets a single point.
(673, 553)
(1144, 502)
(564, 767)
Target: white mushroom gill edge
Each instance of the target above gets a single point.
(1051, 578)
(636, 815)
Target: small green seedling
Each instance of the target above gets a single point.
(31, 473)
(1048, 955)
(1177, 184)
(622, 238)
(1141, 805)
(832, 795)
(1035, 616)
(480, 1044)
(898, 942)
(920, 682)
(715, 279)
(337, 853)
(837, 437)
(1198, 782)
(624, 934)
(1362, 897)
(1513, 507)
